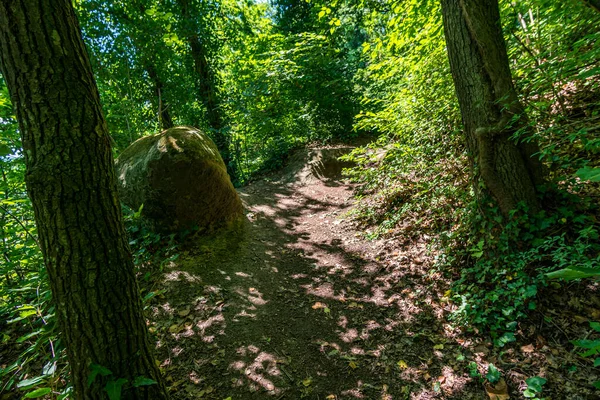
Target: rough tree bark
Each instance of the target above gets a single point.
(71, 181)
(491, 111)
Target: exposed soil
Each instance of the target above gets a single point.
(297, 304)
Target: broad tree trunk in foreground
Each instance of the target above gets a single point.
(71, 181)
(491, 111)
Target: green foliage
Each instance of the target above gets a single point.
(27, 323)
(285, 91)
(420, 181)
(493, 374)
(591, 348)
(114, 386)
(151, 251)
(534, 387)
(408, 177)
(506, 261)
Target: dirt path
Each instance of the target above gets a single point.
(298, 305)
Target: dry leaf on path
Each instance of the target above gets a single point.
(498, 391)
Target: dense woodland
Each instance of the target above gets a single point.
(476, 125)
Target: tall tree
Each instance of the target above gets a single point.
(490, 109)
(164, 115)
(71, 181)
(205, 78)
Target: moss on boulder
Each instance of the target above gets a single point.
(180, 178)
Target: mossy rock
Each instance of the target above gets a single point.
(180, 178)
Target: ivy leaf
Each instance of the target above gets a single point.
(143, 381)
(535, 383)
(113, 388)
(493, 375)
(96, 369)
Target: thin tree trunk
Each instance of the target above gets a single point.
(71, 181)
(164, 117)
(491, 111)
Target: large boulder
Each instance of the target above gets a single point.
(180, 178)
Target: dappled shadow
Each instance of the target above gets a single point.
(296, 304)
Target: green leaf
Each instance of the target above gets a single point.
(597, 362)
(29, 335)
(535, 383)
(493, 375)
(96, 369)
(531, 291)
(29, 383)
(4, 150)
(595, 326)
(589, 174)
(143, 381)
(38, 393)
(113, 388)
(572, 273)
(508, 337)
(587, 344)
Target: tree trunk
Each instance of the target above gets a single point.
(491, 111)
(206, 83)
(71, 181)
(164, 116)
(595, 4)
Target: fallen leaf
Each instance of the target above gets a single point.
(353, 365)
(330, 397)
(318, 305)
(481, 348)
(174, 328)
(184, 313)
(307, 382)
(499, 391)
(527, 349)
(438, 347)
(402, 364)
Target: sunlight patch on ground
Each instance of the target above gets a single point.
(181, 275)
(259, 371)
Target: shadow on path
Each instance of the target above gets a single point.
(297, 305)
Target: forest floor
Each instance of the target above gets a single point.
(297, 304)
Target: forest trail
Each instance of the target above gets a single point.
(299, 305)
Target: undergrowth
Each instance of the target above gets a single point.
(415, 180)
(30, 340)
